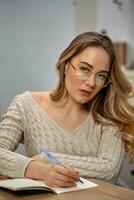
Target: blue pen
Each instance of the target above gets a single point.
(54, 160)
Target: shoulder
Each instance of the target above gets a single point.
(29, 97)
(28, 100)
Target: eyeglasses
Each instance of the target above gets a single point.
(83, 73)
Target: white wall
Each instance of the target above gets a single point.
(95, 15)
(32, 35)
(85, 15)
(118, 23)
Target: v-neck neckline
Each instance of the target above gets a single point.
(53, 122)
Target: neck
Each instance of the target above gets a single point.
(70, 106)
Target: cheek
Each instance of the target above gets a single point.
(70, 81)
(97, 91)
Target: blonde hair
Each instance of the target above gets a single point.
(112, 102)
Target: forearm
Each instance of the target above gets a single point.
(94, 166)
(12, 164)
(105, 164)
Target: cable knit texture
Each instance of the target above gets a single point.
(95, 150)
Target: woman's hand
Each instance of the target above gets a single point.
(59, 176)
(52, 175)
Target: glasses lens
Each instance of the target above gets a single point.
(82, 73)
(81, 76)
(102, 80)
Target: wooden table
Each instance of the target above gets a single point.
(105, 191)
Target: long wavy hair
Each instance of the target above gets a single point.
(111, 105)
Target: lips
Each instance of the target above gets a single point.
(85, 92)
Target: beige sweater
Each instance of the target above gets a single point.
(94, 150)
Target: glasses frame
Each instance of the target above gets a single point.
(105, 84)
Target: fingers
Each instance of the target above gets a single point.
(59, 183)
(62, 176)
(67, 171)
(59, 180)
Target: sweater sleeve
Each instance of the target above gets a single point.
(106, 165)
(11, 132)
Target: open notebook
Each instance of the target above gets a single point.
(19, 184)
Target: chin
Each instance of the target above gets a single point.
(83, 101)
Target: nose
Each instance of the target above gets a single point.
(91, 81)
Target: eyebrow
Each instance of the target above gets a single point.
(91, 66)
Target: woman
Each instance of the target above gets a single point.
(85, 122)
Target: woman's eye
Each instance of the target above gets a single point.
(84, 69)
(102, 76)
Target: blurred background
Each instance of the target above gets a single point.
(33, 33)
